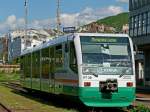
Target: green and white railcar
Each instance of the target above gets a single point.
(96, 68)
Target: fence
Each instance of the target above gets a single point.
(9, 68)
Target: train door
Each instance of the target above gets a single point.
(27, 81)
(52, 70)
(59, 74)
(22, 77)
(36, 70)
(45, 70)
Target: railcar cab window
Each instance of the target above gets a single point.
(106, 55)
(73, 59)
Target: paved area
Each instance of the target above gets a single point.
(143, 96)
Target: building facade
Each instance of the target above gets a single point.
(3, 49)
(18, 41)
(96, 28)
(125, 29)
(139, 30)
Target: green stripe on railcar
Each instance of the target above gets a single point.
(91, 96)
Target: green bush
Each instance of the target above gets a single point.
(9, 77)
(140, 108)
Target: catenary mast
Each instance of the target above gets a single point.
(58, 17)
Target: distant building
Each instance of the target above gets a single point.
(139, 30)
(125, 29)
(96, 28)
(19, 42)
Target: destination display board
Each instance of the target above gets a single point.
(69, 29)
(96, 39)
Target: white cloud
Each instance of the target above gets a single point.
(40, 23)
(11, 19)
(69, 19)
(88, 15)
(75, 19)
(123, 1)
(11, 23)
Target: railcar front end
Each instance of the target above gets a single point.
(106, 70)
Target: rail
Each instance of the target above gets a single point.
(43, 98)
(3, 108)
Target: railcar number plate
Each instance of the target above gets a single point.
(87, 77)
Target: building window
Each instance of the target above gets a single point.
(136, 4)
(133, 4)
(139, 24)
(140, 3)
(145, 2)
(144, 17)
(130, 5)
(135, 25)
(131, 26)
(148, 23)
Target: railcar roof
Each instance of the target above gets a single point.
(65, 38)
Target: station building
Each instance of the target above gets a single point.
(139, 30)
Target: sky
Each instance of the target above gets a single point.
(42, 13)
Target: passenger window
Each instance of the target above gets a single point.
(36, 64)
(58, 57)
(45, 63)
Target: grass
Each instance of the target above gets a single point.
(140, 108)
(9, 77)
(21, 102)
(116, 21)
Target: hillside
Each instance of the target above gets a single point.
(116, 21)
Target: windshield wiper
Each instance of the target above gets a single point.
(96, 75)
(121, 75)
(123, 72)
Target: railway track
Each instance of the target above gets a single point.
(56, 100)
(3, 108)
(13, 85)
(69, 104)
